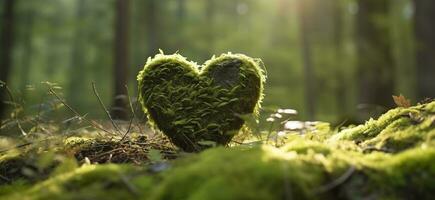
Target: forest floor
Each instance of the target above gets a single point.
(392, 157)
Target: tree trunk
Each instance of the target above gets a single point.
(341, 88)
(7, 38)
(151, 21)
(26, 61)
(181, 13)
(309, 77)
(210, 7)
(119, 109)
(425, 37)
(76, 84)
(375, 64)
(181, 10)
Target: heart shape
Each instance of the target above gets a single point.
(198, 105)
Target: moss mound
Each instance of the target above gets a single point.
(301, 173)
(392, 157)
(351, 164)
(395, 131)
(37, 161)
(88, 182)
(195, 105)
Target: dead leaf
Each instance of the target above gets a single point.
(402, 101)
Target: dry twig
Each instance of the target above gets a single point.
(92, 123)
(340, 180)
(132, 117)
(94, 88)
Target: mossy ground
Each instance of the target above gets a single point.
(392, 157)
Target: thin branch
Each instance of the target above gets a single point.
(11, 97)
(92, 123)
(132, 117)
(340, 180)
(5, 178)
(38, 116)
(94, 88)
(18, 146)
(372, 148)
(134, 112)
(269, 132)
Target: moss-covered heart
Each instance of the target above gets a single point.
(198, 105)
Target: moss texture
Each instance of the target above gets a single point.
(396, 130)
(36, 162)
(331, 166)
(258, 173)
(89, 182)
(195, 105)
(301, 173)
(392, 157)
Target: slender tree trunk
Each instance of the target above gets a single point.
(181, 10)
(76, 84)
(26, 61)
(425, 36)
(151, 21)
(119, 109)
(375, 64)
(309, 77)
(338, 40)
(210, 8)
(6, 45)
(181, 13)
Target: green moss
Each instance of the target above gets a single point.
(318, 167)
(28, 166)
(238, 174)
(193, 104)
(90, 182)
(36, 162)
(298, 173)
(396, 130)
(306, 167)
(307, 171)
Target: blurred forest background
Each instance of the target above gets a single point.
(331, 60)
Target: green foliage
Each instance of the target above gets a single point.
(192, 104)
